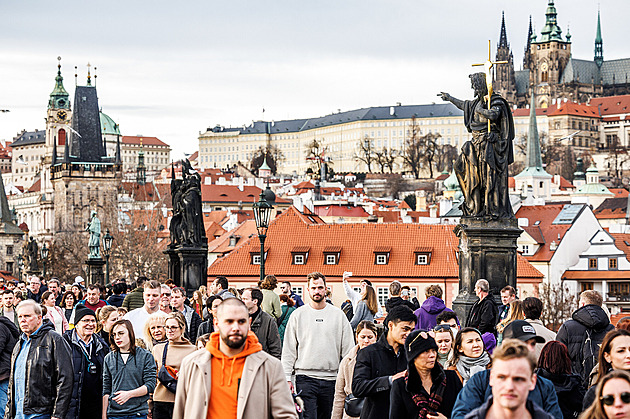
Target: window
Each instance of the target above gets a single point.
(586, 286)
(298, 290)
(10, 266)
(381, 259)
(382, 294)
(256, 259)
(9, 250)
(298, 259)
(612, 263)
(618, 288)
(331, 260)
(526, 249)
(592, 263)
(422, 259)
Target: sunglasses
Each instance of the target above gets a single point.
(609, 399)
(442, 327)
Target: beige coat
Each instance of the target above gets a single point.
(263, 391)
(343, 386)
(176, 352)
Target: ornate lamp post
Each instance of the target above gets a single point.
(107, 247)
(262, 215)
(20, 260)
(45, 250)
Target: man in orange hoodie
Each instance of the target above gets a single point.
(233, 378)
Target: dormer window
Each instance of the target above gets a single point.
(422, 259)
(422, 255)
(299, 255)
(381, 255)
(331, 255)
(254, 256)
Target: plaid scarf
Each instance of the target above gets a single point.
(434, 400)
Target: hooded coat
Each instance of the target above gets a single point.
(263, 392)
(583, 335)
(569, 389)
(9, 335)
(428, 312)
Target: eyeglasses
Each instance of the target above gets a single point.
(442, 327)
(609, 399)
(172, 327)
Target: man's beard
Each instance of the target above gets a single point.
(317, 298)
(234, 344)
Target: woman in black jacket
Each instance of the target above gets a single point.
(427, 390)
(554, 364)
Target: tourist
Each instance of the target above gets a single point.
(139, 316)
(78, 293)
(193, 320)
(554, 364)
(54, 313)
(93, 298)
(287, 290)
(135, 299)
(263, 324)
(431, 307)
(484, 313)
(220, 287)
(154, 331)
(35, 289)
(366, 335)
(366, 307)
(324, 336)
(257, 391)
(288, 307)
(395, 288)
(515, 312)
(88, 354)
(8, 308)
(118, 296)
(353, 295)
(106, 317)
(67, 304)
(508, 295)
(49, 385)
(202, 341)
(198, 302)
(406, 294)
(443, 335)
(170, 354)
(469, 355)
(271, 300)
(9, 335)
(614, 354)
(511, 380)
(129, 375)
(207, 326)
(532, 309)
(165, 299)
(55, 288)
(426, 389)
(612, 396)
(583, 334)
(379, 364)
(449, 318)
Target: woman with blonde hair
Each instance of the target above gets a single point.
(515, 313)
(54, 313)
(366, 307)
(154, 331)
(106, 316)
(271, 301)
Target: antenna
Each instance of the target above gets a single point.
(75, 76)
(95, 76)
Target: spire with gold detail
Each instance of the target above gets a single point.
(59, 95)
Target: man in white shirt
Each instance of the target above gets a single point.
(138, 317)
(7, 310)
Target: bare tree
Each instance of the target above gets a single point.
(67, 255)
(385, 159)
(274, 157)
(316, 154)
(366, 152)
(420, 150)
(446, 156)
(558, 305)
(617, 157)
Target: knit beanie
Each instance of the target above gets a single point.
(416, 344)
(80, 311)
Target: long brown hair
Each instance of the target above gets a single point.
(606, 348)
(554, 358)
(132, 336)
(370, 299)
(596, 411)
(457, 346)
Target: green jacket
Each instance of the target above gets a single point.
(15, 319)
(134, 299)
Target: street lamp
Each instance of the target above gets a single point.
(20, 260)
(262, 215)
(45, 251)
(107, 247)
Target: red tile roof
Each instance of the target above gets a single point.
(527, 112)
(612, 208)
(358, 242)
(222, 217)
(619, 192)
(214, 230)
(620, 242)
(340, 211)
(541, 228)
(612, 105)
(136, 140)
(6, 275)
(577, 275)
(243, 232)
(37, 186)
(160, 192)
(231, 194)
(577, 109)
(565, 184)
(511, 182)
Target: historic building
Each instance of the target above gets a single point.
(550, 68)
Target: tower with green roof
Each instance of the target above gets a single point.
(599, 44)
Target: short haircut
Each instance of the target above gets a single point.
(94, 287)
(30, 303)
(445, 316)
(53, 281)
(483, 285)
(314, 276)
(592, 297)
(514, 349)
(256, 295)
(132, 336)
(222, 281)
(231, 302)
(211, 299)
(141, 280)
(509, 289)
(287, 282)
(532, 308)
(165, 288)
(179, 290)
(433, 291)
(45, 296)
(119, 288)
(395, 288)
(32, 277)
(153, 285)
(400, 313)
(5, 292)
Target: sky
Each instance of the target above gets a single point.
(173, 69)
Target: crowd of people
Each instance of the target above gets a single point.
(159, 351)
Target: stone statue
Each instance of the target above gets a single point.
(94, 245)
(187, 227)
(482, 166)
(176, 221)
(33, 255)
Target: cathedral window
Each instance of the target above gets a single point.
(545, 77)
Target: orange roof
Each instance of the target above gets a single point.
(231, 194)
(619, 192)
(612, 208)
(222, 217)
(591, 275)
(357, 243)
(305, 185)
(243, 232)
(214, 230)
(612, 105)
(37, 186)
(527, 112)
(622, 242)
(194, 156)
(511, 182)
(565, 184)
(541, 228)
(136, 140)
(340, 211)
(6, 275)
(160, 192)
(577, 109)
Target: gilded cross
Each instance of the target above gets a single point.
(488, 70)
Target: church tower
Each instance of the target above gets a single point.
(505, 83)
(599, 44)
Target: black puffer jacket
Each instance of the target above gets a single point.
(483, 315)
(9, 334)
(569, 389)
(591, 322)
(49, 375)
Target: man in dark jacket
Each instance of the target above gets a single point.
(135, 299)
(584, 333)
(193, 320)
(9, 334)
(264, 325)
(483, 314)
(395, 288)
(49, 376)
(378, 365)
(88, 354)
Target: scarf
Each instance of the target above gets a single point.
(443, 358)
(431, 403)
(467, 366)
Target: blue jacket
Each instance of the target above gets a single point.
(535, 411)
(477, 390)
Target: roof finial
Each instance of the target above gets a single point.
(89, 78)
(59, 65)
(95, 76)
(76, 76)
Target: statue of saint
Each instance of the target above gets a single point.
(94, 228)
(482, 166)
(186, 225)
(33, 255)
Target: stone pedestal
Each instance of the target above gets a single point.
(188, 267)
(95, 274)
(487, 250)
(173, 266)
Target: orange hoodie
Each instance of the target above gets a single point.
(226, 376)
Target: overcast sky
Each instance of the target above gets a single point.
(172, 69)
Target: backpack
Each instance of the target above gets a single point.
(589, 355)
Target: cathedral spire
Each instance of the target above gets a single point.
(503, 37)
(551, 31)
(599, 44)
(534, 159)
(59, 95)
